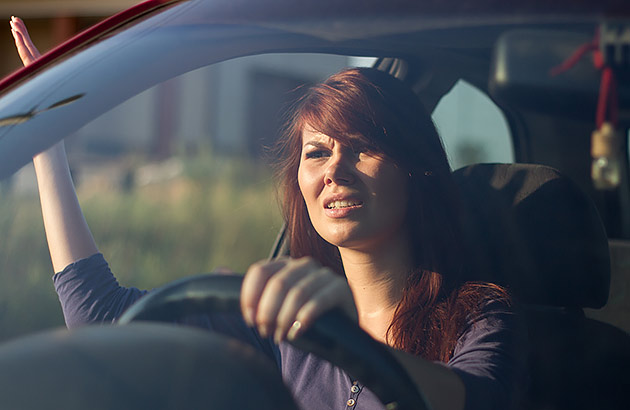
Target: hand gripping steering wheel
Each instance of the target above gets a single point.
(333, 336)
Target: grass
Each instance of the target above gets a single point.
(218, 213)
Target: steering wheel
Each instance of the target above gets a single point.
(333, 337)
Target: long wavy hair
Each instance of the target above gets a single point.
(437, 300)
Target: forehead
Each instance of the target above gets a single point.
(310, 135)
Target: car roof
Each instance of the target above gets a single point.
(336, 20)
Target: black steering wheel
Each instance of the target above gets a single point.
(334, 337)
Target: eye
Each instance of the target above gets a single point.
(317, 153)
(365, 150)
(361, 147)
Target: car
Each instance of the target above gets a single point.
(554, 226)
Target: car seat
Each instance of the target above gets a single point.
(531, 229)
(534, 231)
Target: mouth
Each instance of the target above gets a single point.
(346, 203)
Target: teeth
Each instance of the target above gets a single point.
(342, 204)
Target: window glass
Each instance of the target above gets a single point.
(171, 180)
(472, 127)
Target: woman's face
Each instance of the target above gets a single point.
(354, 199)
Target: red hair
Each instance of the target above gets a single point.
(388, 116)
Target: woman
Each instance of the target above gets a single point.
(372, 216)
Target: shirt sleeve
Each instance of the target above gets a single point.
(490, 358)
(89, 292)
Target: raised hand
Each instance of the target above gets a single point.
(284, 297)
(25, 47)
(69, 237)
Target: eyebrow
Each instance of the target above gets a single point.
(315, 143)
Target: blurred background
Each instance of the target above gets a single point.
(168, 192)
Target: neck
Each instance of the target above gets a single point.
(377, 278)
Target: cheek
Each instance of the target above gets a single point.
(300, 179)
(394, 189)
(306, 184)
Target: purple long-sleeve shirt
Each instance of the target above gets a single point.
(489, 356)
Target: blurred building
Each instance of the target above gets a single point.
(240, 101)
(51, 22)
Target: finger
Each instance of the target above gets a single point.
(253, 284)
(297, 296)
(23, 52)
(333, 294)
(20, 26)
(275, 293)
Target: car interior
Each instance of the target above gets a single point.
(541, 227)
(553, 227)
(547, 226)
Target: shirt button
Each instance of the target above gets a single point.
(350, 402)
(354, 389)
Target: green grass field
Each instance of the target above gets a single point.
(217, 213)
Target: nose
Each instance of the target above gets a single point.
(339, 171)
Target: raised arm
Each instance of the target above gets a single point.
(68, 235)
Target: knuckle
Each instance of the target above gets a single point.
(265, 267)
(308, 313)
(297, 295)
(279, 284)
(256, 267)
(307, 261)
(259, 273)
(265, 320)
(247, 303)
(283, 322)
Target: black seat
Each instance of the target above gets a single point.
(533, 230)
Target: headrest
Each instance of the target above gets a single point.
(533, 230)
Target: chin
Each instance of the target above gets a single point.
(350, 241)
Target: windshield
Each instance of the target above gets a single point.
(178, 179)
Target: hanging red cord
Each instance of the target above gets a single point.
(575, 57)
(607, 103)
(605, 140)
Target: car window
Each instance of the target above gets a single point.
(235, 106)
(472, 127)
(173, 182)
(176, 180)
